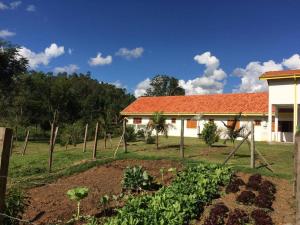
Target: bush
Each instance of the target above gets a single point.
(217, 215)
(140, 134)
(234, 185)
(71, 134)
(15, 204)
(136, 179)
(149, 138)
(130, 134)
(237, 217)
(254, 182)
(263, 201)
(210, 133)
(261, 217)
(267, 187)
(246, 197)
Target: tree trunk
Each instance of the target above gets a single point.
(105, 140)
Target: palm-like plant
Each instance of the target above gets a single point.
(233, 132)
(158, 123)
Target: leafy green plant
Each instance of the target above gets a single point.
(77, 194)
(210, 133)
(136, 179)
(178, 203)
(71, 134)
(172, 170)
(104, 201)
(140, 134)
(149, 138)
(162, 171)
(15, 204)
(130, 134)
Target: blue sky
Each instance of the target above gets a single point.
(211, 46)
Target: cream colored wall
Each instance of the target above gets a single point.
(282, 91)
(260, 131)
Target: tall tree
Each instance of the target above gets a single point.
(163, 85)
(12, 65)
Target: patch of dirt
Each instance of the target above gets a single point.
(50, 204)
(283, 205)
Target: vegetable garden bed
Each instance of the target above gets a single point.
(183, 200)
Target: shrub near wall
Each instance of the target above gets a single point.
(178, 203)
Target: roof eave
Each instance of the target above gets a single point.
(195, 113)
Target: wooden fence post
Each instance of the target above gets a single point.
(297, 177)
(124, 139)
(85, 137)
(252, 145)
(12, 144)
(5, 148)
(96, 141)
(51, 145)
(182, 138)
(25, 142)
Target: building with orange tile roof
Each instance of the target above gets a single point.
(273, 112)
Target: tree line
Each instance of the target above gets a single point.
(33, 98)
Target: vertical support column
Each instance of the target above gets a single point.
(252, 164)
(5, 148)
(124, 138)
(295, 109)
(182, 138)
(270, 122)
(276, 124)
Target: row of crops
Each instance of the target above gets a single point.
(178, 203)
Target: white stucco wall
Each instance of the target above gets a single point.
(283, 91)
(260, 131)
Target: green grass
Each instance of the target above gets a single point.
(32, 169)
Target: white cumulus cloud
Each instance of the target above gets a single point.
(31, 8)
(250, 74)
(118, 84)
(15, 4)
(12, 5)
(6, 33)
(130, 53)
(211, 81)
(293, 62)
(3, 6)
(99, 60)
(42, 58)
(142, 87)
(72, 68)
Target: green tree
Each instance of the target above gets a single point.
(158, 123)
(163, 85)
(210, 133)
(11, 66)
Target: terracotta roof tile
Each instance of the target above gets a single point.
(281, 74)
(252, 103)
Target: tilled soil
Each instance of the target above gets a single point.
(50, 204)
(283, 205)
